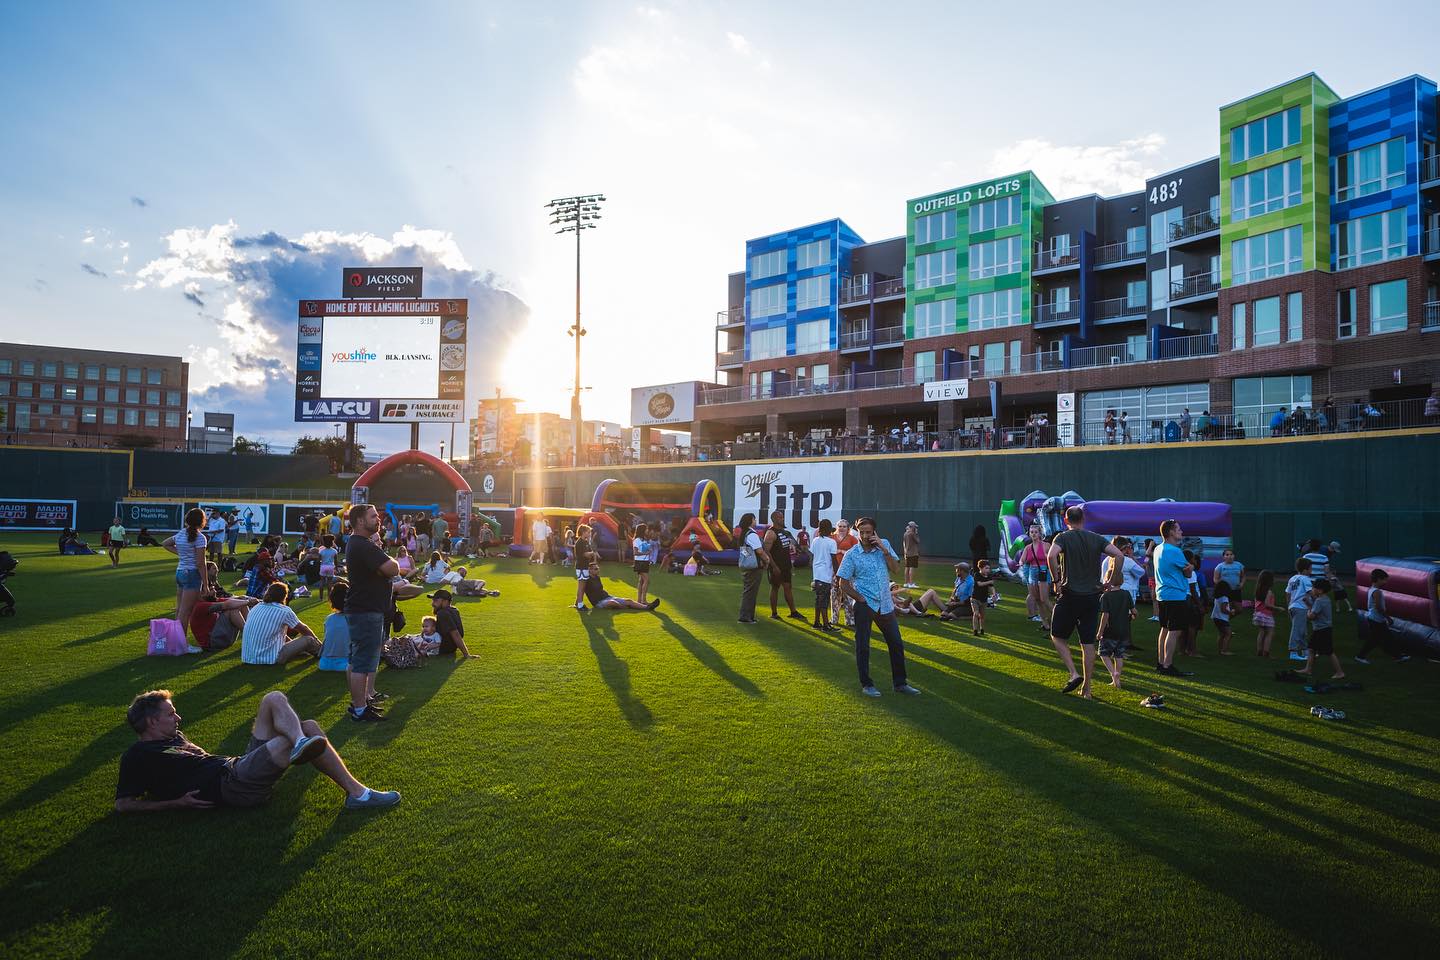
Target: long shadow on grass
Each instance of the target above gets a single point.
(979, 718)
(600, 627)
(709, 656)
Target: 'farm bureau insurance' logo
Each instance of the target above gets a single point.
(359, 355)
(661, 406)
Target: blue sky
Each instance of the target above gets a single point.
(145, 144)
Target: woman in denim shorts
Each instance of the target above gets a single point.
(190, 571)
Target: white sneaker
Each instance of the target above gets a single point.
(193, 649)
(870, 691)
(1362, 660)
(579, 606)
(1298, 656)
(1036, 620)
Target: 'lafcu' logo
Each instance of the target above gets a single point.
(359, 355)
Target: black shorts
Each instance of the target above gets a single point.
(1322, 641)
(1074, 610)
(642, 566)
(1174, 614)
(779, 576)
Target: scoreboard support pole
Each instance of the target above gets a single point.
(414, 436)
(350, 457)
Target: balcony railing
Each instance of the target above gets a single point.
(1430, 318)
(1048, 313)
(1049, 258)
(1432, 241)
(1119, 307)
(1118, 252)
(726, 317)
(1194, 225)
(1106, 355)
(1195, 285)
(1430, 168)
(1186, 348)
(729, 358)
(858, 288)
(860, 337)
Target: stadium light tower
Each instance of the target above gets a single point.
(575, 215)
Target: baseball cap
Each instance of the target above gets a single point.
(441, 594)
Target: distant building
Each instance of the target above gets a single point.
(495, 427)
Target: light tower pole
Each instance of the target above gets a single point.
(573, 215)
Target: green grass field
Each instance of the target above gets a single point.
(629, 785)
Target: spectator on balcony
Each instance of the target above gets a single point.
(1432, 407)
(1185, 423)
(1277, 422)
(1124, 427)
(1372, 416)
(1331, 416)
(1109, 426)
(1299, 422)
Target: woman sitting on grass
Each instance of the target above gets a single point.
(929, 600)
(436, 569)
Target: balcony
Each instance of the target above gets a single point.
(734, 317)
(858, 338)
(859, 289)
(1051, 258)
(1430, 171)
(1118, 310)
(1056, 314)
(1188, 348)
(730, 358)
(1430, 317)
(1115, 254)
(1106, 355)
(1195, 287)
(1194, 227)
(1432, 243)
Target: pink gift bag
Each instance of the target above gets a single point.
(166, 639)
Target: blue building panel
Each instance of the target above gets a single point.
(841, 240)
(1405, 109)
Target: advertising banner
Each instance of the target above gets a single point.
(25, 514)
(665, 403)
(293, 515)
(806, 492)
(410, 411)
(155, 516)
(1065, 419)
(937, 390)
(381, 281)
(254, 517)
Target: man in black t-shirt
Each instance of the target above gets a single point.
(1074, 560)
(165, 771)
(601, 600)
(370, 598)
(448, 625)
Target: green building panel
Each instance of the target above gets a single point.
(959, 201)
(1312, 214)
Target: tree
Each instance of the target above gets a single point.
(244, 445)
(332, 448)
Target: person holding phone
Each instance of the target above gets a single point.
(864, 577)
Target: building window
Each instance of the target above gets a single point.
(7, 366)
(812, 292)
(1272, 254)
(925, 366)
(1387, 307)
(1237, 327)
(991, 310)
(154, 377)
(1060, 300)
(812, 337)
(1160, 226)
(172, 419)
(1135, 240)
(1294, 316)
(1268, 133)
(112, 374)
(935, 318)
(172, 398)
(1059, 247)
(47, 391)
(87, 414)
(1370, 170)
(24, 389)
(1265, 191)
(4, 388)
(27, 368)
(1014, 356)
(112, 394)
(994, 359)
(68, 391)
(770, 264)
(819, 376)
(994, 214)
(768, 301)
(936, 227)
(49, 369)
(132, 374)
(132, 418)
(152, 418)
(1159, 289)
(1345, 314)
(1135, 291)
(111, 416)
(22, 417)
(152, 397)
(935, 269)
(72, 371)
(765, 344)
(1136, 347)
(995, 258)
(1371, 239)
(1267, 322)
(132, 395)
(92, 371)
(1149, 408)
(1255, 399)
(67, 410)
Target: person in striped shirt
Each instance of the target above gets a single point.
(273, 633)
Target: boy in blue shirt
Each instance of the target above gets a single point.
(1172, 589)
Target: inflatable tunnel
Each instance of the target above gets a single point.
(1412, 599)
(689, 509)
(453, 512)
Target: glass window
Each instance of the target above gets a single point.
(92, 371)
(1237, 326)
(812, 337)
(24, 389)
(67, 410)
(1370, 170)
(132, 395)
(1265, 191)
(132, 374)
(1268, 133)
(1161, 225)
(1135, 291)
(7, 366)
(1159, 289)
(172, 398)
(993, 214)
(44, 409)
(87, 414)
(1267, 322)
(1060, 300)
(72, 371)
(1060, 246)
(112, 374)
(152, 418)
(4, 388)
(49, 369)
(22, 417)
(1294, 316)
(991, 310)
(765, 344)
(994, 359)
(132, 418)
(995, 258)
(1136, 347)
(925, 366)
(1371, 239)
(935, 318)
(47, 391)
(1149, 408)
(112, 394)
(1271, 254)
(110, 415)
(812, 292)
(172, 419)
(1345, 314)
(1014, 356)
(68, 391)
(819, 375)
(770, 264)
(27, 368)
(154, 377)
(937, 226)
(935, 269)
(768, 301)
(1256, 398)
(1387, 307)
(152, 397)
(1135, 240)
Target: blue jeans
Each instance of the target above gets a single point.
(890, 631)
(367, 637)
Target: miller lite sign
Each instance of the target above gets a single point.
(806, 492)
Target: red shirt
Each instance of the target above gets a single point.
(202, 621)
(841, 545)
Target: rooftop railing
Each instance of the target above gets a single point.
(726, 317)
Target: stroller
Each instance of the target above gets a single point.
(7, 569)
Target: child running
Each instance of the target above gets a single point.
(822, 573)
(1221, 613)
(1377, 621)
(643, 547)
(1322, 634)
(1263, 613)
(1117, 609)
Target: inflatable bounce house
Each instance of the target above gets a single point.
(557, 517)
(690, 509)
(415, 482)
(1412, 598)
(1206, 525)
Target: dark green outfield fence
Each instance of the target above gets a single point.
(1378, 494)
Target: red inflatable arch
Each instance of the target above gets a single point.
(420, 457)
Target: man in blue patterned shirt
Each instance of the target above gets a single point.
(864, 577)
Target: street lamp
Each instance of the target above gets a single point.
(189, 416)
(573, 215)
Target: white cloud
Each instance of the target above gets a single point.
(1070, 171)
(738, 43)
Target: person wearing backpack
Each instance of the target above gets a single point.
(753, 561)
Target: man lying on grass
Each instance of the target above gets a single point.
(600, 600)
(165, 771)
